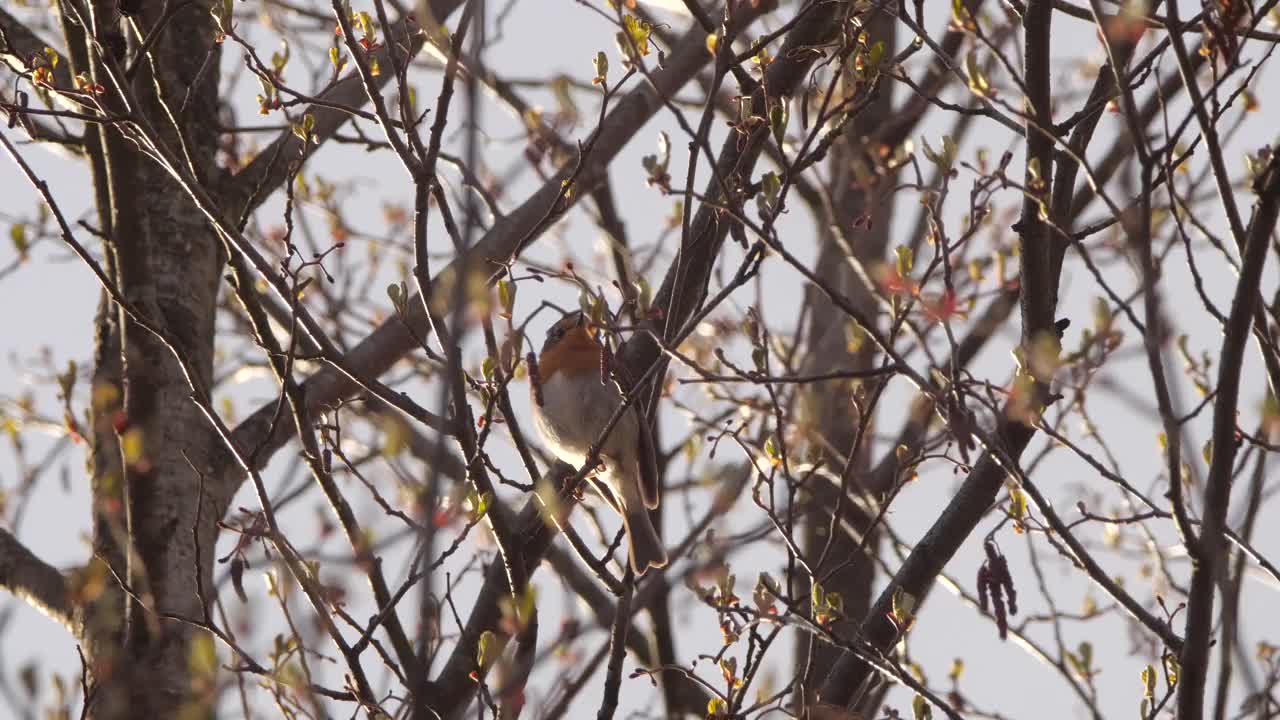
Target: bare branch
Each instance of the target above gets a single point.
(265, 173)
(18, 44)
(396, 337)
(31, 579)
(1211, 558)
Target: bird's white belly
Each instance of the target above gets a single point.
(575, 409)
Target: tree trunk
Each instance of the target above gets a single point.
(829, 413)
(151, 442)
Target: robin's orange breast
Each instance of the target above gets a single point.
(576, 352)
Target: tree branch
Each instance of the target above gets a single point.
(1209, 561)
(1038, 295)
(1038, 287)
(398, 336)
(38, 583)
(18, 43)
(265, 173)
(617, 648)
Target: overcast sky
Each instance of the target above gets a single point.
(47, 307)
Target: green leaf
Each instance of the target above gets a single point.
(479, 502)
(1082, 660)
(1149, 682)
(132, 445)
(1017, 503)
(601, 64)
(1076, 664)
(945, 159)
(978, 81)
(291, 675)
(644, 293)
(1172, 668)
(281, 58)
(638, 31)
(203, 657)
(722, 593)
(528, 601)
(1101, 315)
(765, 591)
(18, 235)
(921, 709)
(771, 184)
(905, 259)
(779, 115)
(950, 149)
(1045, 356)
(855, 336)
(597, 311)
(904, 607)
(517, 612)
(876, 55)
(487, 649)
(772, 452)
(729, 669)
(364, 22)
(507, 297)
(304, 127)
(1033, 173)
(1184, 351)
(770, 194)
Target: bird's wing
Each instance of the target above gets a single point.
(647, 450)
(647, 459)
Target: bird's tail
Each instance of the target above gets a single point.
(646, 548)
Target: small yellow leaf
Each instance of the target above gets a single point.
(203, 655)
(131, 446)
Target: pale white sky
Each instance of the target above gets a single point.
(48, 306)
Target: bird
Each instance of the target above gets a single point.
(572, 405)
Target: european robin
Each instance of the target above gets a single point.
(572, 406)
